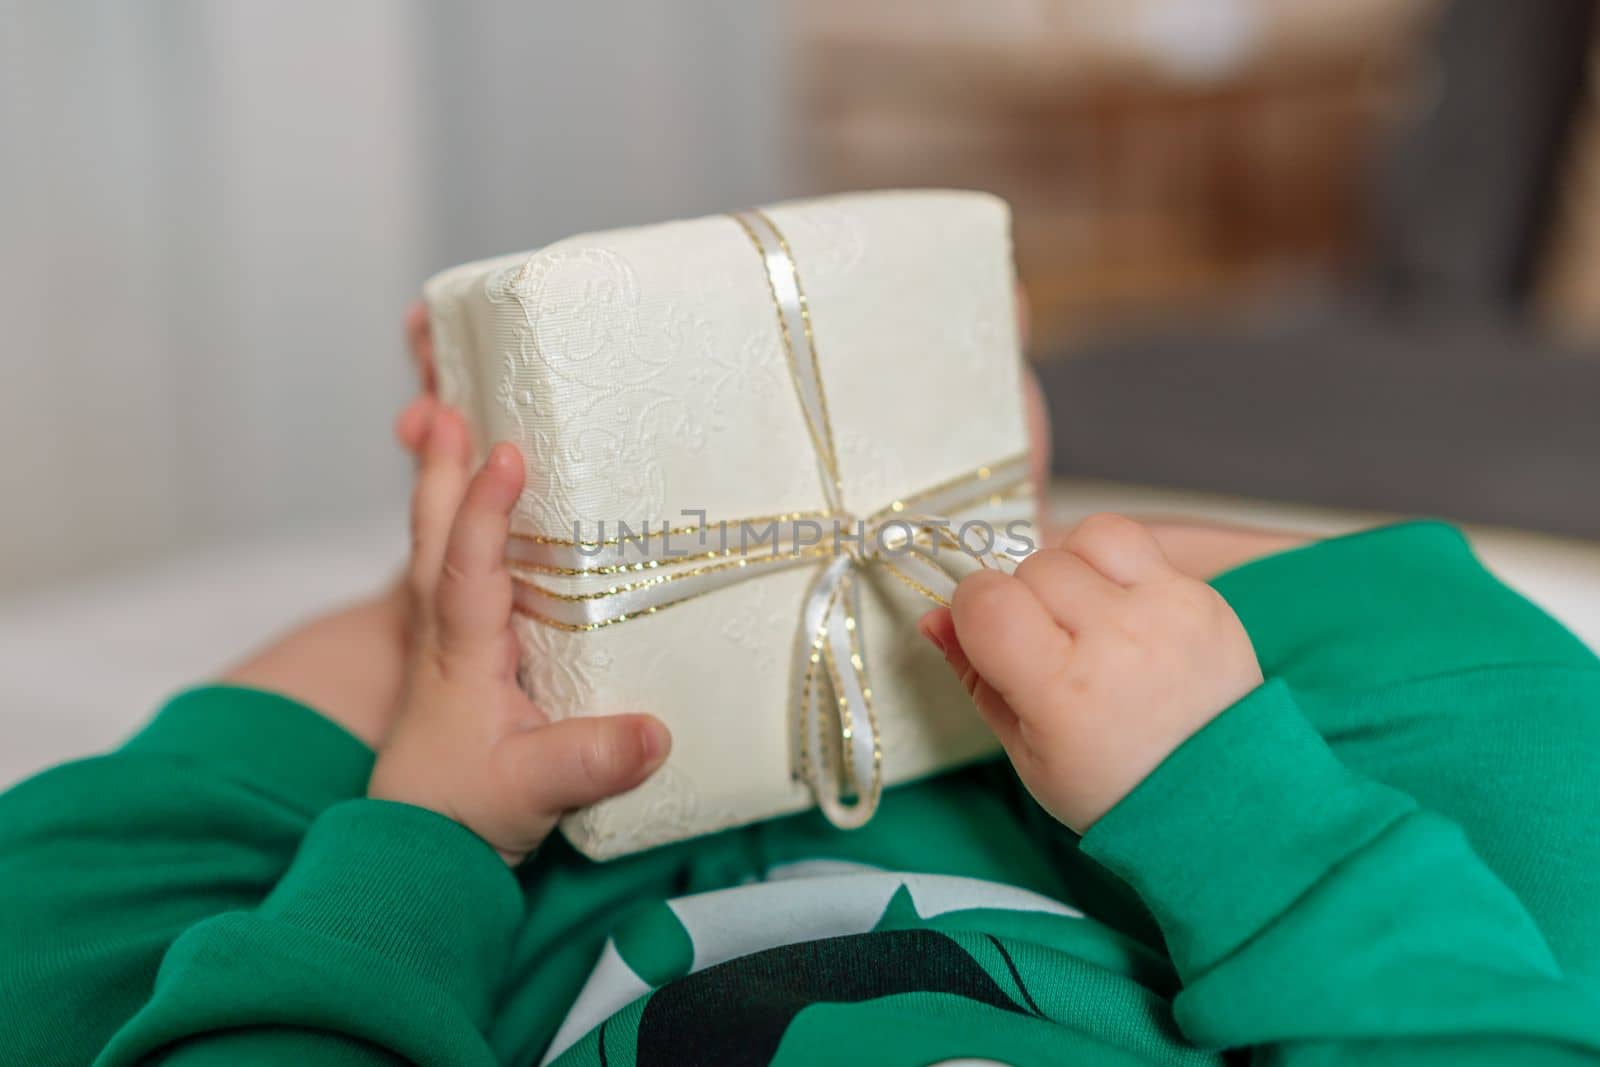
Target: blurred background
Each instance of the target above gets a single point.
(1295, 260)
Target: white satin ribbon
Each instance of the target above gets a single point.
(916, 539)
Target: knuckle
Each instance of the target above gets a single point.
(1121, 655)
(444, 664)
(598, 758)
(1120, 638)
(1075, 680)
(451, 575)
(1110, 530)
(1040, 563)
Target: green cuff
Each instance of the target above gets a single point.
(265, 740)
(1236, 824)
(407, 884)
(391, 931)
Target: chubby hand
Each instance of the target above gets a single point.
(1093, 662)
(468, 743)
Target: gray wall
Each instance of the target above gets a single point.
(213, 211)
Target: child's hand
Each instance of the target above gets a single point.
(1094, 662)
(468, 743)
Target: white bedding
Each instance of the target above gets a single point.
(82, 665)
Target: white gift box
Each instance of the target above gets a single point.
(848, 363)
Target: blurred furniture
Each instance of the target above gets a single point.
(1158, 154)
(1303, 249)
(1425, 388)
(1568, 294)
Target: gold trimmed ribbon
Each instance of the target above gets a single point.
(913, 539)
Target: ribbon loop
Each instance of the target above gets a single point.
(831, 660)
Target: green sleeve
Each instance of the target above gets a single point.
(1322, 918)
(386, 941)
(106, 861)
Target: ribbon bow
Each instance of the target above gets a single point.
(911, 539)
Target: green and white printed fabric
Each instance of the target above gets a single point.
(970, 968)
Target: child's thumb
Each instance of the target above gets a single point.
(581, 761)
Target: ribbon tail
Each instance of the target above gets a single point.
(860, 744)
(834, 702)
(809, 678)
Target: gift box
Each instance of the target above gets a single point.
(759, 446)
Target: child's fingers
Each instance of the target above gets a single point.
(419, 342)
(411, 425)
(939, 627)
(474, 595)
(441, 479)
(581, 761)
(940, 630)
(1119, 548)
(1009, 637)
(1073, 591)
(416, 322)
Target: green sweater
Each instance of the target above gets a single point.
(1389, 853)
